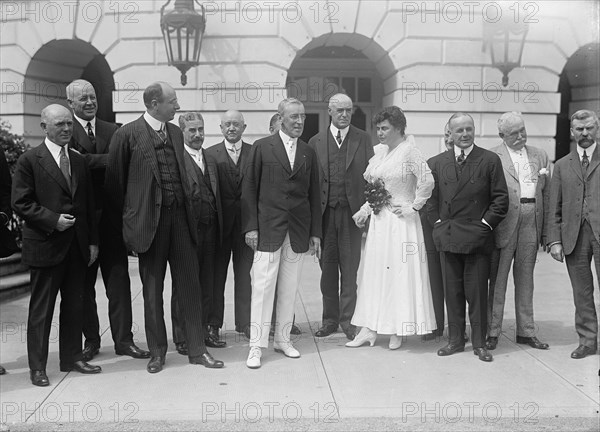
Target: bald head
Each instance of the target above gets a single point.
(340, 110)
(232, 126)
(161, 101)
(57, 124)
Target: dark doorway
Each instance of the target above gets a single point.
(99, 74)
(311, 127)
(578, 88)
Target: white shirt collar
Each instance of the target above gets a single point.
(467, 151)
(588, 151)
(154, 124)
(84, 123)
(192, 151)
(55, 150)
(285, 138)
(521, 152)
(343, 132)
(237, 145)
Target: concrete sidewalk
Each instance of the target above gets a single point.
(330, 387)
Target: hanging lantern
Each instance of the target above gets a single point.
(183, 29)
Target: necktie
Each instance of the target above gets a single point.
(585, 162)
(461, 158)
(339, 138)
(162, 134)
(199, 161)
(291, 155)
(91, 134)
(233, 153)
(64, 166)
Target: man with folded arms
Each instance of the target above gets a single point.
(519, 235)
(52, 191)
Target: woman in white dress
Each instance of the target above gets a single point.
(394, 294)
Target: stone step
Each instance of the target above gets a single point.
(12, 264)
(14, 285)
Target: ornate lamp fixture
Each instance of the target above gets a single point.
(506, 39)
(182, 30)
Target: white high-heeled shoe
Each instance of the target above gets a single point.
(395, 342)
(365, 335)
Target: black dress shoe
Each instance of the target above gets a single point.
(325, 331)
(208, 361)
(450, 349)
(491, 342)
(295, 330)
(483, 354)
(533, 342)
(134, 351)
(214, 338)
(2, 370)
(155, 364)
(89, 352)
(81, 367)
(39, 378)
(210, 342)
(582, 351)
(181, 348)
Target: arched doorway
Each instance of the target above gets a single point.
(51, 69)
(579, 87)
(334, 63)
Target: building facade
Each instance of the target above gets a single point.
(428, 57)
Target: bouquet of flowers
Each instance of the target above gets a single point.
(377, 195)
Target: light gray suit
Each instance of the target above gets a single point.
(517, 239)
(575, 222)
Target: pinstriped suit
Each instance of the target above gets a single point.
(159, 233)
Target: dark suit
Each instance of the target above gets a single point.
(112, 258)
(342, 194)
(460, 199)
(575, 222)
(277, 200)
(209, 221)
(283, 205)
(58, 259)
(146, 180)
(232, 241)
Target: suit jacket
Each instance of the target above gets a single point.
(358, 152)
(192, 172)
(461, 203)
(96, 158)
(566, 199)
(133, 182)
(538, 159)
(277, 200)
(40, 194)
(229, 187)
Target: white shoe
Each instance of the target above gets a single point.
(395, 342)
(365, 335)
(286, 349)
(254, 356)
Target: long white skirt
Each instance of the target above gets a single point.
(394, 293)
